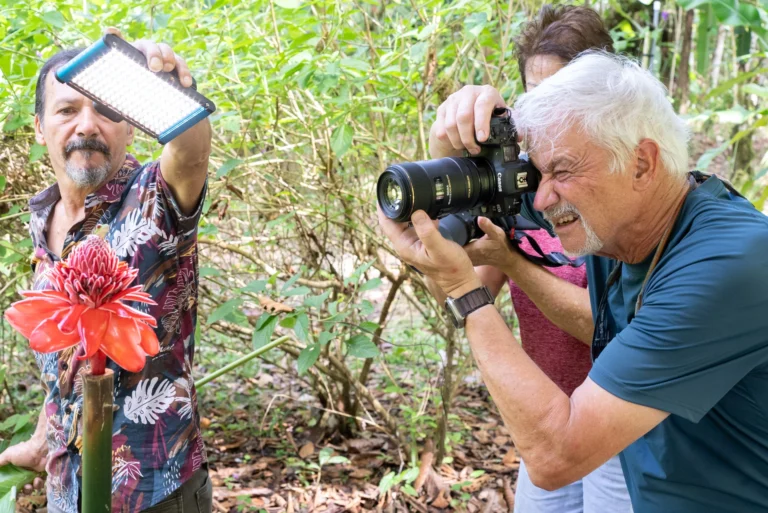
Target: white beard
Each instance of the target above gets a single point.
(592, 243)
(87, 178)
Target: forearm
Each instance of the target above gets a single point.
(535, 410)
(40, 432)
(184, 164)
(566, 305)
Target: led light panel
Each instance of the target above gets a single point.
(115, 75)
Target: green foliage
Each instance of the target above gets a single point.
(12, 479)
(405, 479)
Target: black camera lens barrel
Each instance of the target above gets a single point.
(439, 187)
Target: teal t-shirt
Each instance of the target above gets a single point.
(698, 349)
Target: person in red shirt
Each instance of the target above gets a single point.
(558, 344)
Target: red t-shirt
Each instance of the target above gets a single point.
(563, 358)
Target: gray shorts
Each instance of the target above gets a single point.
(602, 491)
(194, 496)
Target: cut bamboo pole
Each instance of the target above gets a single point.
(97, 442)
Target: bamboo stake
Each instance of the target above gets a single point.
(97, 442)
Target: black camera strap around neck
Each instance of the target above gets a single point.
(554, 259)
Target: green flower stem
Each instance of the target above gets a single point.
(97, 442)
(241, 361)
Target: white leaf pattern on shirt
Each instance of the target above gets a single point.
(123, 470)
(147, 403)
(136, 231)
(185, 412)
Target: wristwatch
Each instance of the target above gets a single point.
(458, 309)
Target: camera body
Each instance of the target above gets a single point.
(457, 190)
(513, 175)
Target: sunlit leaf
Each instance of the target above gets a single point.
(307, 358)
(262, 333)
(301, 328)
(54, 18)
(256, 286)
(288, 4)
(342, 139)
(227, 167)
(224, 310)
(360, 346)
(317, 301)
(708, 156)
(36, 151)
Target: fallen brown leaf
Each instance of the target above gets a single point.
(367, 460)
(500, 440)
(273, 306)
(427, 457)
(491, 504)
(307, 450)
(443, 500)
(509, 495)
(511, 459)
(361, 473)
(223, 493)
(361, 445)
(477, 484)
(232, 445)
(482, 437)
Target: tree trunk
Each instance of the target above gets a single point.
(676, 51)
(744, 151)
(685, 57)
(717, 60)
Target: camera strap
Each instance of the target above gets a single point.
(554, 259)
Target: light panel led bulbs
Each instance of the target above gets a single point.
(115, 75)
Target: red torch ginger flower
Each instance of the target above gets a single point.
(85, 306)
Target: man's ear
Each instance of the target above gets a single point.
(646, 163)
(39, 137)
(131, 133)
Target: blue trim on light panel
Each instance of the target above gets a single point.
(68, 71)
(183, 124)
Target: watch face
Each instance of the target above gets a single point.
(453, 313)
(456, 323)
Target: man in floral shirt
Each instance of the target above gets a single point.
(149, 215)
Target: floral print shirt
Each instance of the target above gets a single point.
(156, 441)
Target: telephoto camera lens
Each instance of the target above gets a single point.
(439, 187)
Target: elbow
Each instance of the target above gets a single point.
(549, 479)
(550, 471)
(547, 482)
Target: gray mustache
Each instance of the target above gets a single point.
(86, 144)
(559, 211)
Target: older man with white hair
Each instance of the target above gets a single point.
(678, 269)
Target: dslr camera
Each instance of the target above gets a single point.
(457, 190)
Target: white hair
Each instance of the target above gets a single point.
(613, 101)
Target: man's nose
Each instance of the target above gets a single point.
(87, 122)
(546, 197)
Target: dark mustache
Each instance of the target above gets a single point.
(86, 144)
